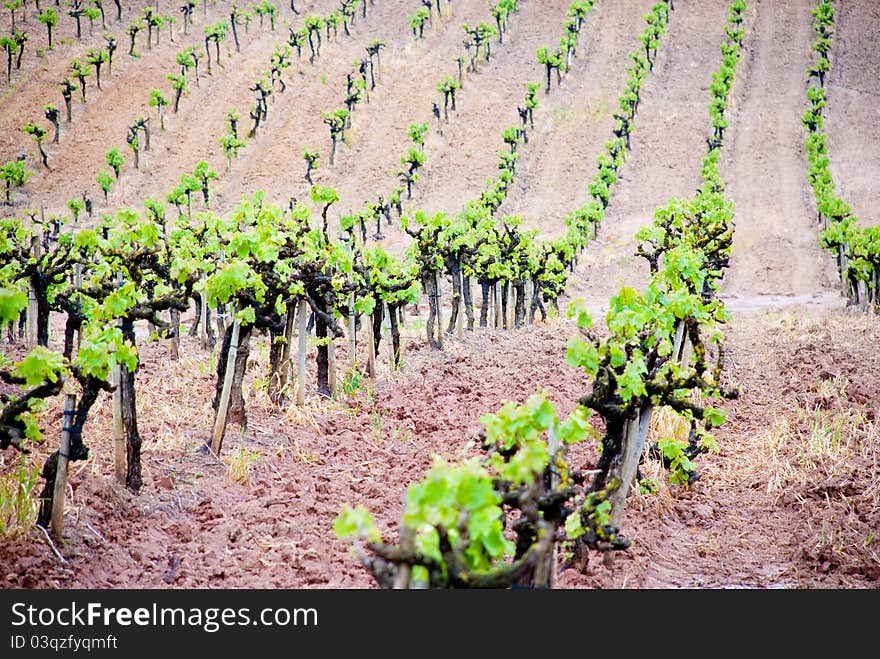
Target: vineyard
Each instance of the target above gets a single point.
(440, 294)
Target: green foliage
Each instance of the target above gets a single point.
(417, 21)
(12, 303)
(857, 248)
(157, 100)
(417, 133)
(15, 174)
(681, 467)
(323, 196)
(354, 523)
(37, 132)
(76, 206)
(40, 365)
(48, 17)
(114, 160)
(231, 146)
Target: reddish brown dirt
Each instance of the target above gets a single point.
(771, 508)
(747, 523)
(853, 125)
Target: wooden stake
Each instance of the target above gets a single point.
(686, 352)
(459, 306)
(203, 321)
(285, 367)
(497, 299)
(529, 294)
(633, 443)
(386, 326)
(439, 309)
(352, 338)
(371, 348)
(31, 326)
(57, 523)
(679, 335)
(175, 334)
(302, 310)
(118, 427)
(511, 301)
(331, 366)
(32, 312)
(490, 312)
(223, 407)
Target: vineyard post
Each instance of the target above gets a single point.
(223, 406)
(459, 309)
(386, 329)
(120, 452)
(331, 366)
(496, 297)
(634, 434)
(301, 312)
(203, 320)
(685, 352)
(32, 299)
(118, 427)
(511, 305)
(285, 369)
(679, 336)
(490, 311)
(352, 340)
(57, 522)
(371, 348)
(439, 295)
(175, 334)
(399, 361)
(220, 317)
(529, 295)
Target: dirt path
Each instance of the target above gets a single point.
(667, 145)
(575, 120)
(775, 252)
(853, 113)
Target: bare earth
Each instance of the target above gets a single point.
(792, 498)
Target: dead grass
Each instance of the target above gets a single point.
(660, 497)
(240, 463)
(19, 498)
(823, 442)
(819, 451)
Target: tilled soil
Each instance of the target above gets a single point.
(791, 498)
(758, 517)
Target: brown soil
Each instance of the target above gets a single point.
(853, 126)
(791, 500)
